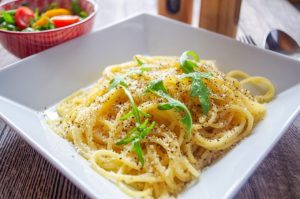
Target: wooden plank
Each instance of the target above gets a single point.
(26, 174)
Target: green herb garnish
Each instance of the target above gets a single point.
(139, 62)
(130, 114)
(36, 14)
(158, 88)
(142, 128)
(8, 18)
(120, 80)
(143, 67)
(198, 87)
(83, 14)
(135, 111)
(11, 12)
(76, 9)
(48, 26)
(135, 136)
(188, 64)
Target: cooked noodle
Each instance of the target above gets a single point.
(92, 120)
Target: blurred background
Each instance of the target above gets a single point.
(234, 18)
(257, 17)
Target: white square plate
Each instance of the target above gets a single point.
(44, 79)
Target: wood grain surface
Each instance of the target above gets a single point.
(26, 174)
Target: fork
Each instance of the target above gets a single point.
(247, 39)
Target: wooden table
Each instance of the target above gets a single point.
(26, 174)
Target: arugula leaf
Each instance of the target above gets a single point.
(198, 87)
(130, 137)
(158, 88)
(126, 116)
(188, 64)
(141, 130)
(130, 114)
(143, 67)
(165, 106)
(135, 136)
(120, 80)
(145, 131)
(139, 71)
(137, 133)
(196, 75)
(140, 63)
(139, 151)
(135, 110)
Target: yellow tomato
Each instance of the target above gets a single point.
(44, 20)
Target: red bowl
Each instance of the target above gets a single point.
(23, 44)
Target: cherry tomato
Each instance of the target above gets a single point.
(23, 17)
(64, 20)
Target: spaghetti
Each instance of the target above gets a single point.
(151, 124)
